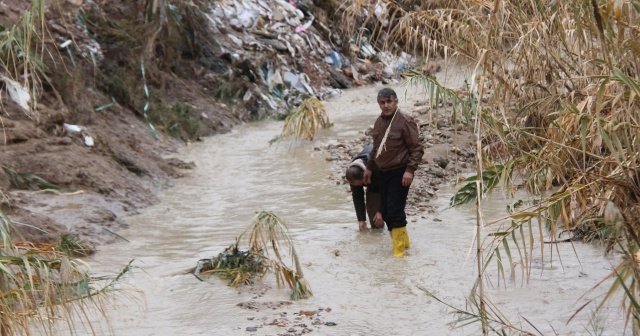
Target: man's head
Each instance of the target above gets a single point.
(355, 175)
(388, 101)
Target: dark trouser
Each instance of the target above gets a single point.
(373, 206)
(393, 197)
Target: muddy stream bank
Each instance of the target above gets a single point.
(360, 289)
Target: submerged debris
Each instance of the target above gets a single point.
(266, 233)
(240, 267)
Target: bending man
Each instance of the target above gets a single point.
(355, 174)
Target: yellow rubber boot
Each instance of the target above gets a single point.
(399, 237)
(407, 243)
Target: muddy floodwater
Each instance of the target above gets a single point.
(354, 274)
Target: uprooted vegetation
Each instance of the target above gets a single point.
(555, 97)
(269, 243)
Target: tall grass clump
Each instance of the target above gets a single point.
(21, 52)
(42, 287)
(304, 121)
(269, 245)
(558, 88)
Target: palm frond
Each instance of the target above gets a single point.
(463, 108)
(304, 121)
(269, 242)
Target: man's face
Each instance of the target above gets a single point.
(357, 183)
(388, 105)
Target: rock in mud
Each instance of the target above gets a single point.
(181, 164)
(252, 329)
(308, 312)
(437, 172)
(442, 162)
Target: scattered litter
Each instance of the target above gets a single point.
(18, 93)
(289, 54)
(235, 40)
(72, 128)
(304, 26)
(299, 81)
(88, 141)
(366, 49)
(65, 44)
(382, 14)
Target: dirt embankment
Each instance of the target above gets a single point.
(118, 86)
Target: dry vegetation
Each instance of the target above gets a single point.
(557, 93)
(304, 121)
(41, 285)
(269, 243)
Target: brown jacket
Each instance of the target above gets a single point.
(402, 146)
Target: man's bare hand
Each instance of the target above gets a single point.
(378, 221)
(366, 178)
(407, 178)
(362, 225)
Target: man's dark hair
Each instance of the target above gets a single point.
(387, 93)
(354, 173)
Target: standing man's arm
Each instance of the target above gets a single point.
(357, 193)
(412, 141)
(372, 158)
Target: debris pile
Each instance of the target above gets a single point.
(286, 54)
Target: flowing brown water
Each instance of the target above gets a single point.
(369, 292)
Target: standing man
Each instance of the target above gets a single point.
(355, 174)
(396, 153)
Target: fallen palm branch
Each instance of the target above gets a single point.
(304, 121)
(268, 243)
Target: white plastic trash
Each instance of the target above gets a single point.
(18, 93)
(88, 141)
(72, 128)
